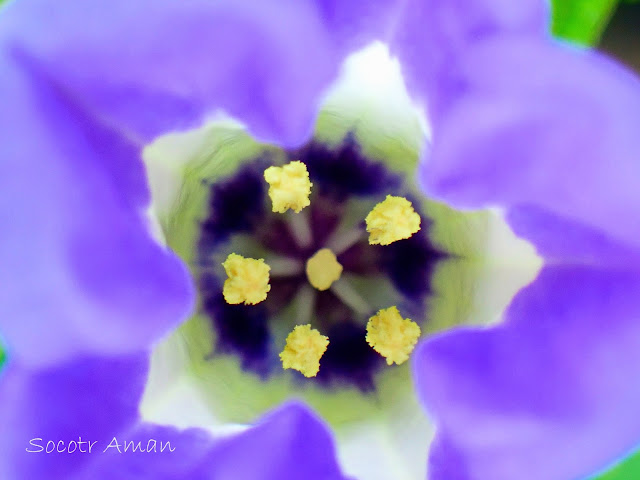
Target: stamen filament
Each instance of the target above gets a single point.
(300, 228)
(305, 303)
(284, 266)
(340, 242)
(350, 297)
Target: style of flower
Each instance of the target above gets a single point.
(543, 130)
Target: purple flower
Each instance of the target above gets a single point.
(544, 131)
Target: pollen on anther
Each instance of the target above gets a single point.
(323, 269)
(392, 336)
(248, 280)
(305, 346)
(289, 187)
(391, 220)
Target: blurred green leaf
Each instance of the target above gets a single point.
(628, 469)
(581, 21)
(3, 356)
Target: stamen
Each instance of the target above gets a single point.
(305, 304)
(350, 297)
(392, 220)
(341, 241)
(305, 346)
(392, 336)
(289, 186)
(248, 280)
(299, 226)
(323, 269)
(283, 266)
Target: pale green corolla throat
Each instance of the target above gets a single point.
(391, 220)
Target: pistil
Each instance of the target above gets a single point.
(323, 269)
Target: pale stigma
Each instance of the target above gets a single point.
(323, 269)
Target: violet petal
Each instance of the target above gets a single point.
(546, 394)
(96, 400)
(542, 125)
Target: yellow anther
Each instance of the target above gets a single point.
(392, 220)
(248, 280)
(392, 336)
(305, 346)
(323, 269)
(289, 186)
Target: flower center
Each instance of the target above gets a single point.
(315, 264)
